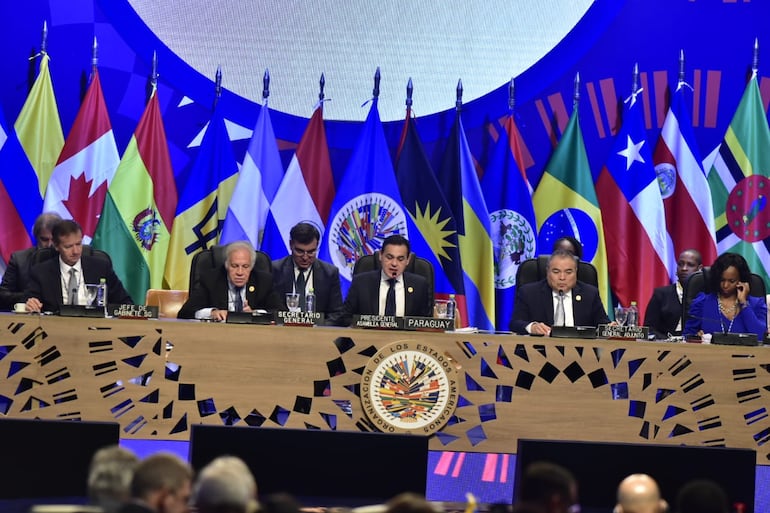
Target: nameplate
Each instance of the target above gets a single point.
(133, 311)
(257, 317)
(299, 318)
(735, 339)
(627, 332)
(81, 311)
(573, 332)
(428, 324)
(382, 322)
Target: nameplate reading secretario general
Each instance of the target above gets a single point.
(382, 322)
(299, 318)
(133, 311)
(628, 332)
(428, 324)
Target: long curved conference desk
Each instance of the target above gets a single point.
(157, 378)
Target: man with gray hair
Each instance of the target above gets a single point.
(558, 300)
(237, 287)
(109, 477)
(226, 485)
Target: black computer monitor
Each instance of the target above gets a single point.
(599, 468)
(50, 458)
(321, 468)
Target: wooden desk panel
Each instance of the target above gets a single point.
(158, 377)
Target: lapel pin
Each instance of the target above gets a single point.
(410, 289)
(578, 298)
(251, 288)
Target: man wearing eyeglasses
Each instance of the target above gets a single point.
(302, 272)
(390, 290)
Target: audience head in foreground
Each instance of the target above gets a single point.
(639, 493)
(161, 484)
(550, 487)
(701, 496)
(226, 485)
(109, 477)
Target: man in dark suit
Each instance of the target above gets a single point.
(389, 291)
(559, 300)
(664, 311)
(302, 273)
(236, 287)
(16, 277)
(63, 280)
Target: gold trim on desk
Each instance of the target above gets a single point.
(156, 378)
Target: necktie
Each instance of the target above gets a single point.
(238, 303)
(72, 287)
(558, 318)
(390, 299)
(299, 288)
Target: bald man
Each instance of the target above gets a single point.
(639, 493)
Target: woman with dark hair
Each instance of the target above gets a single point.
(727, 307)
(570, 244)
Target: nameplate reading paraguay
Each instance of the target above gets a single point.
(299, 318)
(382, 322)
(428, 323)
(630, 332)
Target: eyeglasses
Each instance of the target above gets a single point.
(304, 252)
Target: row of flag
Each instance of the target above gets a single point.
(646, 207)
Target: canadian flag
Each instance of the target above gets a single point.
(86, 164)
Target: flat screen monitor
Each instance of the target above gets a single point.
(599, 468)
(50, 458)
(320, 468)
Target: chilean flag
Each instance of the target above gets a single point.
(638, 247)
(683, 184)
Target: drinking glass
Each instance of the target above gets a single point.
(441, 306)
(292, 301)
(621, 315)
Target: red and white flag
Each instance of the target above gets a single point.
(86, 165)
(683, 184)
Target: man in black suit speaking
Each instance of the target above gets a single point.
(63, 280)
(236, 287)
(559, 300)
(302, 272)
(389, 291)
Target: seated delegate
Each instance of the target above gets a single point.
(727, 307)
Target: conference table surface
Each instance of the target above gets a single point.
(158, 377)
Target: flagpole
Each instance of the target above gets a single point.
(376, 90)
(265, 86)
(459, 96)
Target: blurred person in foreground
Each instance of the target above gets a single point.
(109, 477)
(639, 493)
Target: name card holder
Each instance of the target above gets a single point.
(381, 322)
(133, 311)
(623, 332)
(299, 318)
(428, 324)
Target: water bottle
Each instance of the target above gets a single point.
(451, 306)
(310, 301)
(633, 315)
(101, 295)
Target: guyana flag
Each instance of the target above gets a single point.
(139, 208)
(566, 204)
(739, 184)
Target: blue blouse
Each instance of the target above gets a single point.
(704, 315)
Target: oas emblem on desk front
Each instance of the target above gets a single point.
(409, 387)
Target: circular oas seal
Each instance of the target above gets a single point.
(409, 387)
